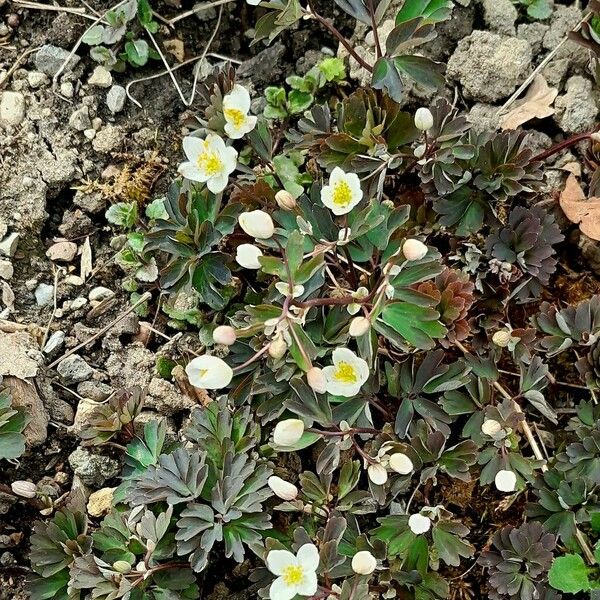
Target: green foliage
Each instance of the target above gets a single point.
(569, 574)
(12, 423)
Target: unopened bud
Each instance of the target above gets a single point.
(25, 489)
(506, 481)
(288, 432)
(414, 249)
(285, 200)
(363, 563)
(502, 338)
(282, 489)
(224, 334)
(121, 566)
(423, 119)
(359, 326)
(278, 347)
(491, 427)
(317, 380)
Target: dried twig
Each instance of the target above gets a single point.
(80, 12)
(198, 8)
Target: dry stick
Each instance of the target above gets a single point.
(55, 307)
(540, 67)
(198, 9)
(589, 555)
(141, 300)
(51, 7)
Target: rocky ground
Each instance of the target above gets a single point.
(68, 150)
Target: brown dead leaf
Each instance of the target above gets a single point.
(581, 210)
(176, 48)
(535, 104)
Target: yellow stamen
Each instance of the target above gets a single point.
(235, 116)
(293, 575)
(345, 373)
(210, 163)
(342, 194)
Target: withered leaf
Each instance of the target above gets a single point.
(581, 210)
(535, 104)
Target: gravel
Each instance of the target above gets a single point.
(74, 369)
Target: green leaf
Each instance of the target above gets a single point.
(539, 9)
(463, 209)
(433, 11)
(93, 36)
(124, 214)
(387, 78)
(145, 15)
(569, 574)
(210, 275)
(424, 71)
(418, 325)
(137, 52)
(299, 101)
(333, 69)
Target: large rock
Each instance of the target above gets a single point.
(564, 20)
(25, 396)
(166, 399)
(576, 111)
(12, 108)
(49, 59)
(93, 469)
(19, 355)
(490, 66)
(500, 16)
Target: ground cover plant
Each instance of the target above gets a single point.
(390, 392)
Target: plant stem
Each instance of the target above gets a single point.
(561, 146)
(341, 39)
(378, 52)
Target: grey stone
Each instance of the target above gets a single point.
(101, 77)
(93, 469)
(80, 119)
(19, 355)
(49, 59)
(108, 139)
(6, 269)
(489, 66)
(44, 294)
(115, 99)
(8, 245)
(564, 20)
(556, 71)
(56, 340)
(74, 369)
(484, 117)
(500, 16)
(35, 79)
(94, 390)
(576, 110)
(62, 251)
(100, 293)
(12, 108)
(166, 399)
(265, 67)
(6, 502)
(534, 34)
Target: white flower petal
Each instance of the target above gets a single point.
(400, 463)
(308, 557)
(506, 481)
(247, 256)
(278, 560)
(309, 584)
(238, 97)
(193, 147)
(217, 183)
(209, 372)
(377, 473)
(419, 523)
(190, 171)
(279, 590)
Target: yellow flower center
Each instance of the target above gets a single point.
(293, 575)
(342, 194)
(202, 373)
(210, 163)
(235, 116)
(345, 373)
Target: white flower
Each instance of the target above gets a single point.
(257, 223)
(209, 372)
(210, 161)
(423, 119)
(288, 432)
(247, 256)
(419, 523)
(506, 481)
(282, 489)
(491, 427)
(254, 2)
(347, 374)
(414, 249)
(377, 473)
(285, 200)
(343, 192)
(317, 380)
(401, 463)
(359, 326)
(236, 106)
(224, 334)
(363, 562)
(296, 574)
(284, 289)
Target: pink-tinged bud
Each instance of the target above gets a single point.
(359, 326)
(224, 334)
(285, 200)
(414, 249)
(278, 347)
(317, 380)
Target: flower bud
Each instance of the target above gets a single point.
(419, 523)
(285, 200)
(506, 481)
(121, 566)
(288, 432)
(257, 223)
(400, 463)
(414, 249)
(247, 256)
(25, 489)
(278, 347)
(141, 567)
(423, 119)
(419, 151)
(224, 334)
(363, 563)
(377, 473)
(282, 489)
(359, 326)
(491, 427)
(317, 380)
(502, 338)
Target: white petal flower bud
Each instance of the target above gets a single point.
(121, 566)
(277, 347)
(414, 249)
(502, 338)
(419, 523)
(506, 481)
(285, 200)
(25, 489)
(363, 563)
(247, 256)
(288, 432)
(419, 151)
(316, 380)
(257, 223)
(491, 427)
(282, 489)
(400, 463)
(359, 326)
(423, 119)
(377, 473)
(224, 334)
